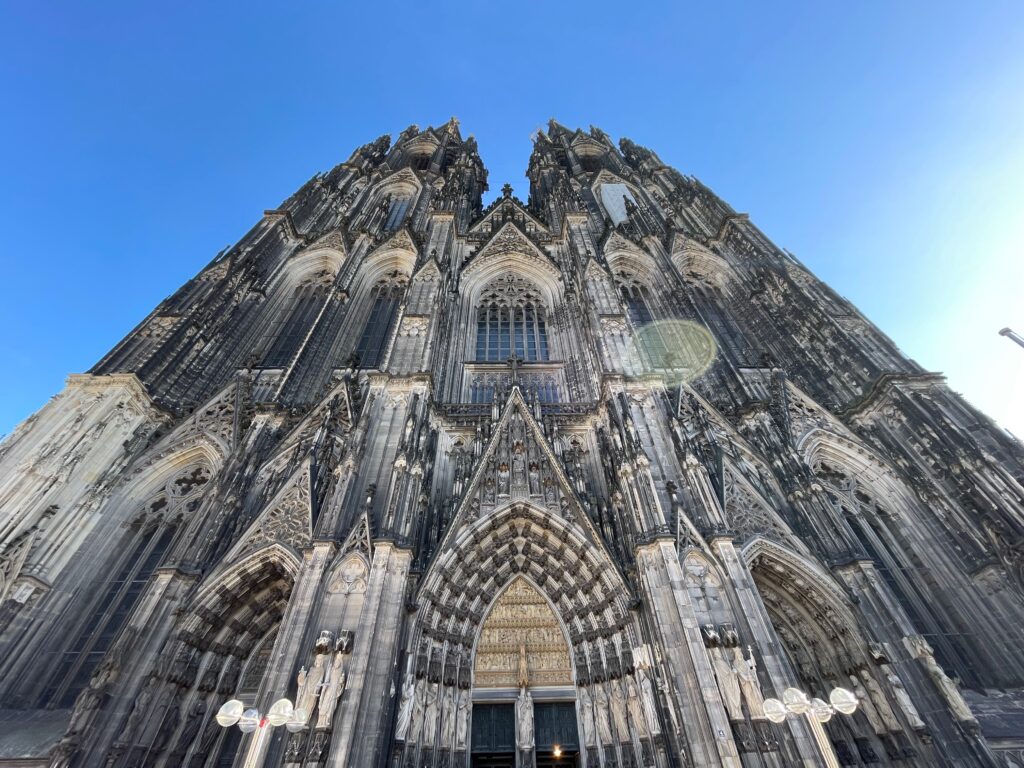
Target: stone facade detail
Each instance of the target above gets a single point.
(603, 469)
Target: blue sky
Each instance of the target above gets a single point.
(882, 143)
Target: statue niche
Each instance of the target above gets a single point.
(521, 629)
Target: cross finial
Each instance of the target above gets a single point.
(506, 190)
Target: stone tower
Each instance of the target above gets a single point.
(576, 481)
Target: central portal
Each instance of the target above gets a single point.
(521, 628)
(524, 696)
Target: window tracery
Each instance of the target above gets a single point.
(511, 320)
(115, 593)
(637, 298)
(386, 296)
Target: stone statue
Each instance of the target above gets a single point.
(634, 706)
(405, 707)
(647, 698)
(922, 651)
(141, 708)
(309, 685)
(903, 699)
(447, 716)
(430, 713)
(418, 710)
(190, 730)
(462, 724)
(728, 682)
(330, 691)
(524, 720)
(523, 677)
(880, 701)
(618, 707)
(746, 670)
(586, 706)
(948, 689)
(867, 706)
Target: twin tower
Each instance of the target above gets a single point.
(585, 480)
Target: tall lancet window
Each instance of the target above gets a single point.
(613, 196)
(115, 593)
(511, 319)
(397, 212)
(386, 296)
(636, 296)
(296, 318)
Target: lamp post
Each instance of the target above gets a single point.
(1013, 335)
(281, 712)
(818, 712)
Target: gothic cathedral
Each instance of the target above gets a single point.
(592, 480)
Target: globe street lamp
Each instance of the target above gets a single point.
(818, 712)
(281, 712)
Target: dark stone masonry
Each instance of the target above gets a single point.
(577, 481)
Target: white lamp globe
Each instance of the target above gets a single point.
(249, 721)
(297, 721)
(821, 710)
(774, 710)
(280, 712)
(843, 701)
(796, 701)
(230, 712)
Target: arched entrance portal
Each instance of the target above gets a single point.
(826, 649)
(524, 702)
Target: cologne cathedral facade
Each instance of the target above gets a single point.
(583, 481)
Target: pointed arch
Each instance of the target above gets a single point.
(697, 263)
(521, 628)
(511, 252)
(318, 264)
(822, 447)
(577, 574)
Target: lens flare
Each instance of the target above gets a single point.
(679, 350)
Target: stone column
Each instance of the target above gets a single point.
(704, 719)
(362, 714)
(766, 643)
(294, 641)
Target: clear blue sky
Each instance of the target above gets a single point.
(883, 143)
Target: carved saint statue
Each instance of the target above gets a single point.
(405, 708)
(586, 706)
(447, 716)
(604, 728)
(922, 651)
(634, 706)
(523, 677)
(524, 720)
(647, 698)
(903, 699)
(430, 714)
(880, 701)
(462, 719)
(867, 706)
(746, 669)
(330, 691)
(948, 689)
(309, 684)
(728, 683)
(419, 707)
(618, 707)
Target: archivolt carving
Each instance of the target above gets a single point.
(587, 590)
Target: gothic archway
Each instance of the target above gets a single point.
(556, 567)
(825, 647)
(220, 644)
